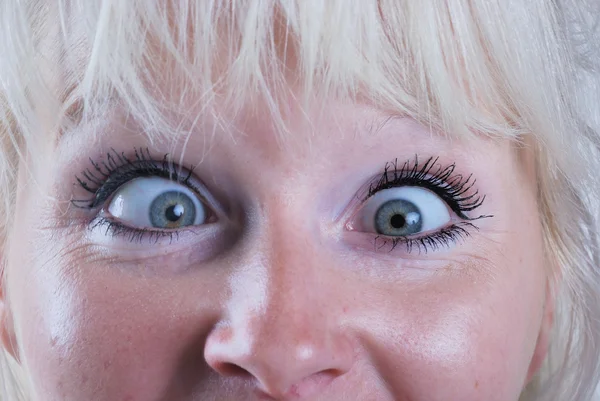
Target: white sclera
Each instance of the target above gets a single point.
(434, 211)
(131, 203)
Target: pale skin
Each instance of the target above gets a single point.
(281, 295)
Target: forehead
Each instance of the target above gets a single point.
(163, 61)
(333, 135)
(271, 55)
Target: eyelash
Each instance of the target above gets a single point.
(432, 242)
(455, 190)
(452, 188)
(106, 176)
(116, 229)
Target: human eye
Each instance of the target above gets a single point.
(422, 206)
(141, 197)
(152, 202)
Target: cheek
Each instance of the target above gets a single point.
(468, 332)
(94, 332)
(462, 338)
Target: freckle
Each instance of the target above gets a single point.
(224, 335)
(294, 391)
(476, 383)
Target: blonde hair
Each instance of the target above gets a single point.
(516, 69)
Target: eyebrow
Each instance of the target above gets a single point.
(382, 125)
(114, 112)
(379, 124)
(73, 115)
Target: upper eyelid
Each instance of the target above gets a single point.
(159, 172)
(457, 190)
(411, 171)
(417, 172)
(117, 163)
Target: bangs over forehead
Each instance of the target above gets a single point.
(473, 65)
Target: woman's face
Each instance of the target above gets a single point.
(353, 257)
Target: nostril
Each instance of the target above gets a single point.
(231, 369)
(287, 368)
(312, 384)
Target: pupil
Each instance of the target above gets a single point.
(174, 213)
(398, 221)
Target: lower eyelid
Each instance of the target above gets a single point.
(445, 238)
(163, 256)
(107, 231)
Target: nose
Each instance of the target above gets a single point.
(282, 368)
(285, 335)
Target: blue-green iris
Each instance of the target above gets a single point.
(398, 218)
(172, 209)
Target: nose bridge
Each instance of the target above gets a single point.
(299, 306)
(291, 340)
(296, 262)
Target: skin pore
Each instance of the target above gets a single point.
(284, 294)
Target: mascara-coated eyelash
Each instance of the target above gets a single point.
(454, 189)
(105, 177)
(432, 242)
(118, 229)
